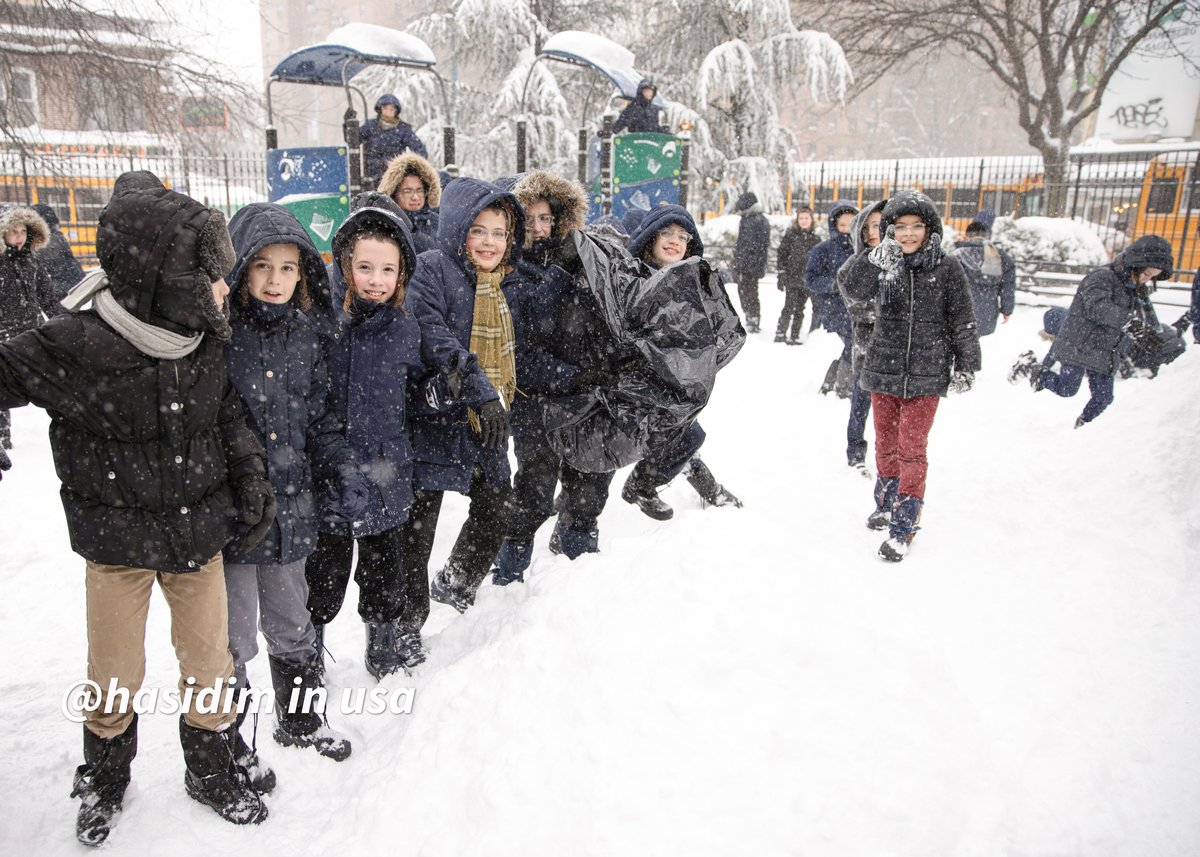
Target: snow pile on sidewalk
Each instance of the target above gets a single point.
(747, 681)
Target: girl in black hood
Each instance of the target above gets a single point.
(924, 343)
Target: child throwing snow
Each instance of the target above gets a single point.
(151, 443)
(1110, 302)
(923, 344)
(277, 364)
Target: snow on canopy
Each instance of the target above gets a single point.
(611, 59)
(353, 48)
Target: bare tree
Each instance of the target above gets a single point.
(65, 66)
(1056, 57)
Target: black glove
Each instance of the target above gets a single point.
(961, 382)
(887, 254)
(1181, 325)
(596, 375)
(257, 500)
(566, 256)
(5, 461)
(782, 287)
(493, 425)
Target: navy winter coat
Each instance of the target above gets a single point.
(373, 361)
(276, 361)
(424, 229)
(442, 295)
(56, 257)
(1103, 303)
(991, 295)
(820, 275)
(381, 144)
(640, 116)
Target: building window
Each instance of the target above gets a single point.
(18, 96)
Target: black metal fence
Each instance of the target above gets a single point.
(1121, 195)
(77, 185)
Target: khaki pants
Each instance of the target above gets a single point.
(118, 599)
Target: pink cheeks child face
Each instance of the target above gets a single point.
(487, 240)
(670, 245)
(15, 237)
(274, 273)
(375, 265)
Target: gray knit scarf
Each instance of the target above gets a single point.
(150, 340)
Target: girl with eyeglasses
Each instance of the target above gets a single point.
(413, 183)
(462, 289)
(923, 344)
(666, 235)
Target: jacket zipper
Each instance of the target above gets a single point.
(908, 346)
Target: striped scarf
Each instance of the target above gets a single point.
(493, 340)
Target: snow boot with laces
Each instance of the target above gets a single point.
(101, 782)
(903, 526)
(449, 586)
(215, 780)
(246, 755)
(380, 656)
(297, 722)
(886, 488)
(710, 490)
(640, 490)
(410, 648)
(511, 561)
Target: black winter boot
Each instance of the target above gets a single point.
(707, 486)
(830, 378)
(319, 647)
(303, 728)
(246, 755)
(886, 488)
(640, 490)
(101, 782)
(451, 587)
(215, 780)
(380, 657)
(906, 514)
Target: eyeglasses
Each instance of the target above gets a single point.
(543, 220)
(675, 234)
(479, 233)
(914, 228)
(411, 191)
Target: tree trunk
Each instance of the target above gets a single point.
(1056, 161)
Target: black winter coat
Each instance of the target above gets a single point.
(1104, 301)
(146, 449)
(26, 294)
(753, 245)
(639, 116)
(921, 335)
(792, 257)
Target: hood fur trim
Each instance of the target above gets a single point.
(37, 233)
(410, 163)
(567, 199)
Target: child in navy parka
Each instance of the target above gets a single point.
(276, 361)
(480, 234)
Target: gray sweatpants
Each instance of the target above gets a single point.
(275, 598)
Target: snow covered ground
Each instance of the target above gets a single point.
(745, 681)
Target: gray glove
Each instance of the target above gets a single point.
(888, 254)
(962, 382)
